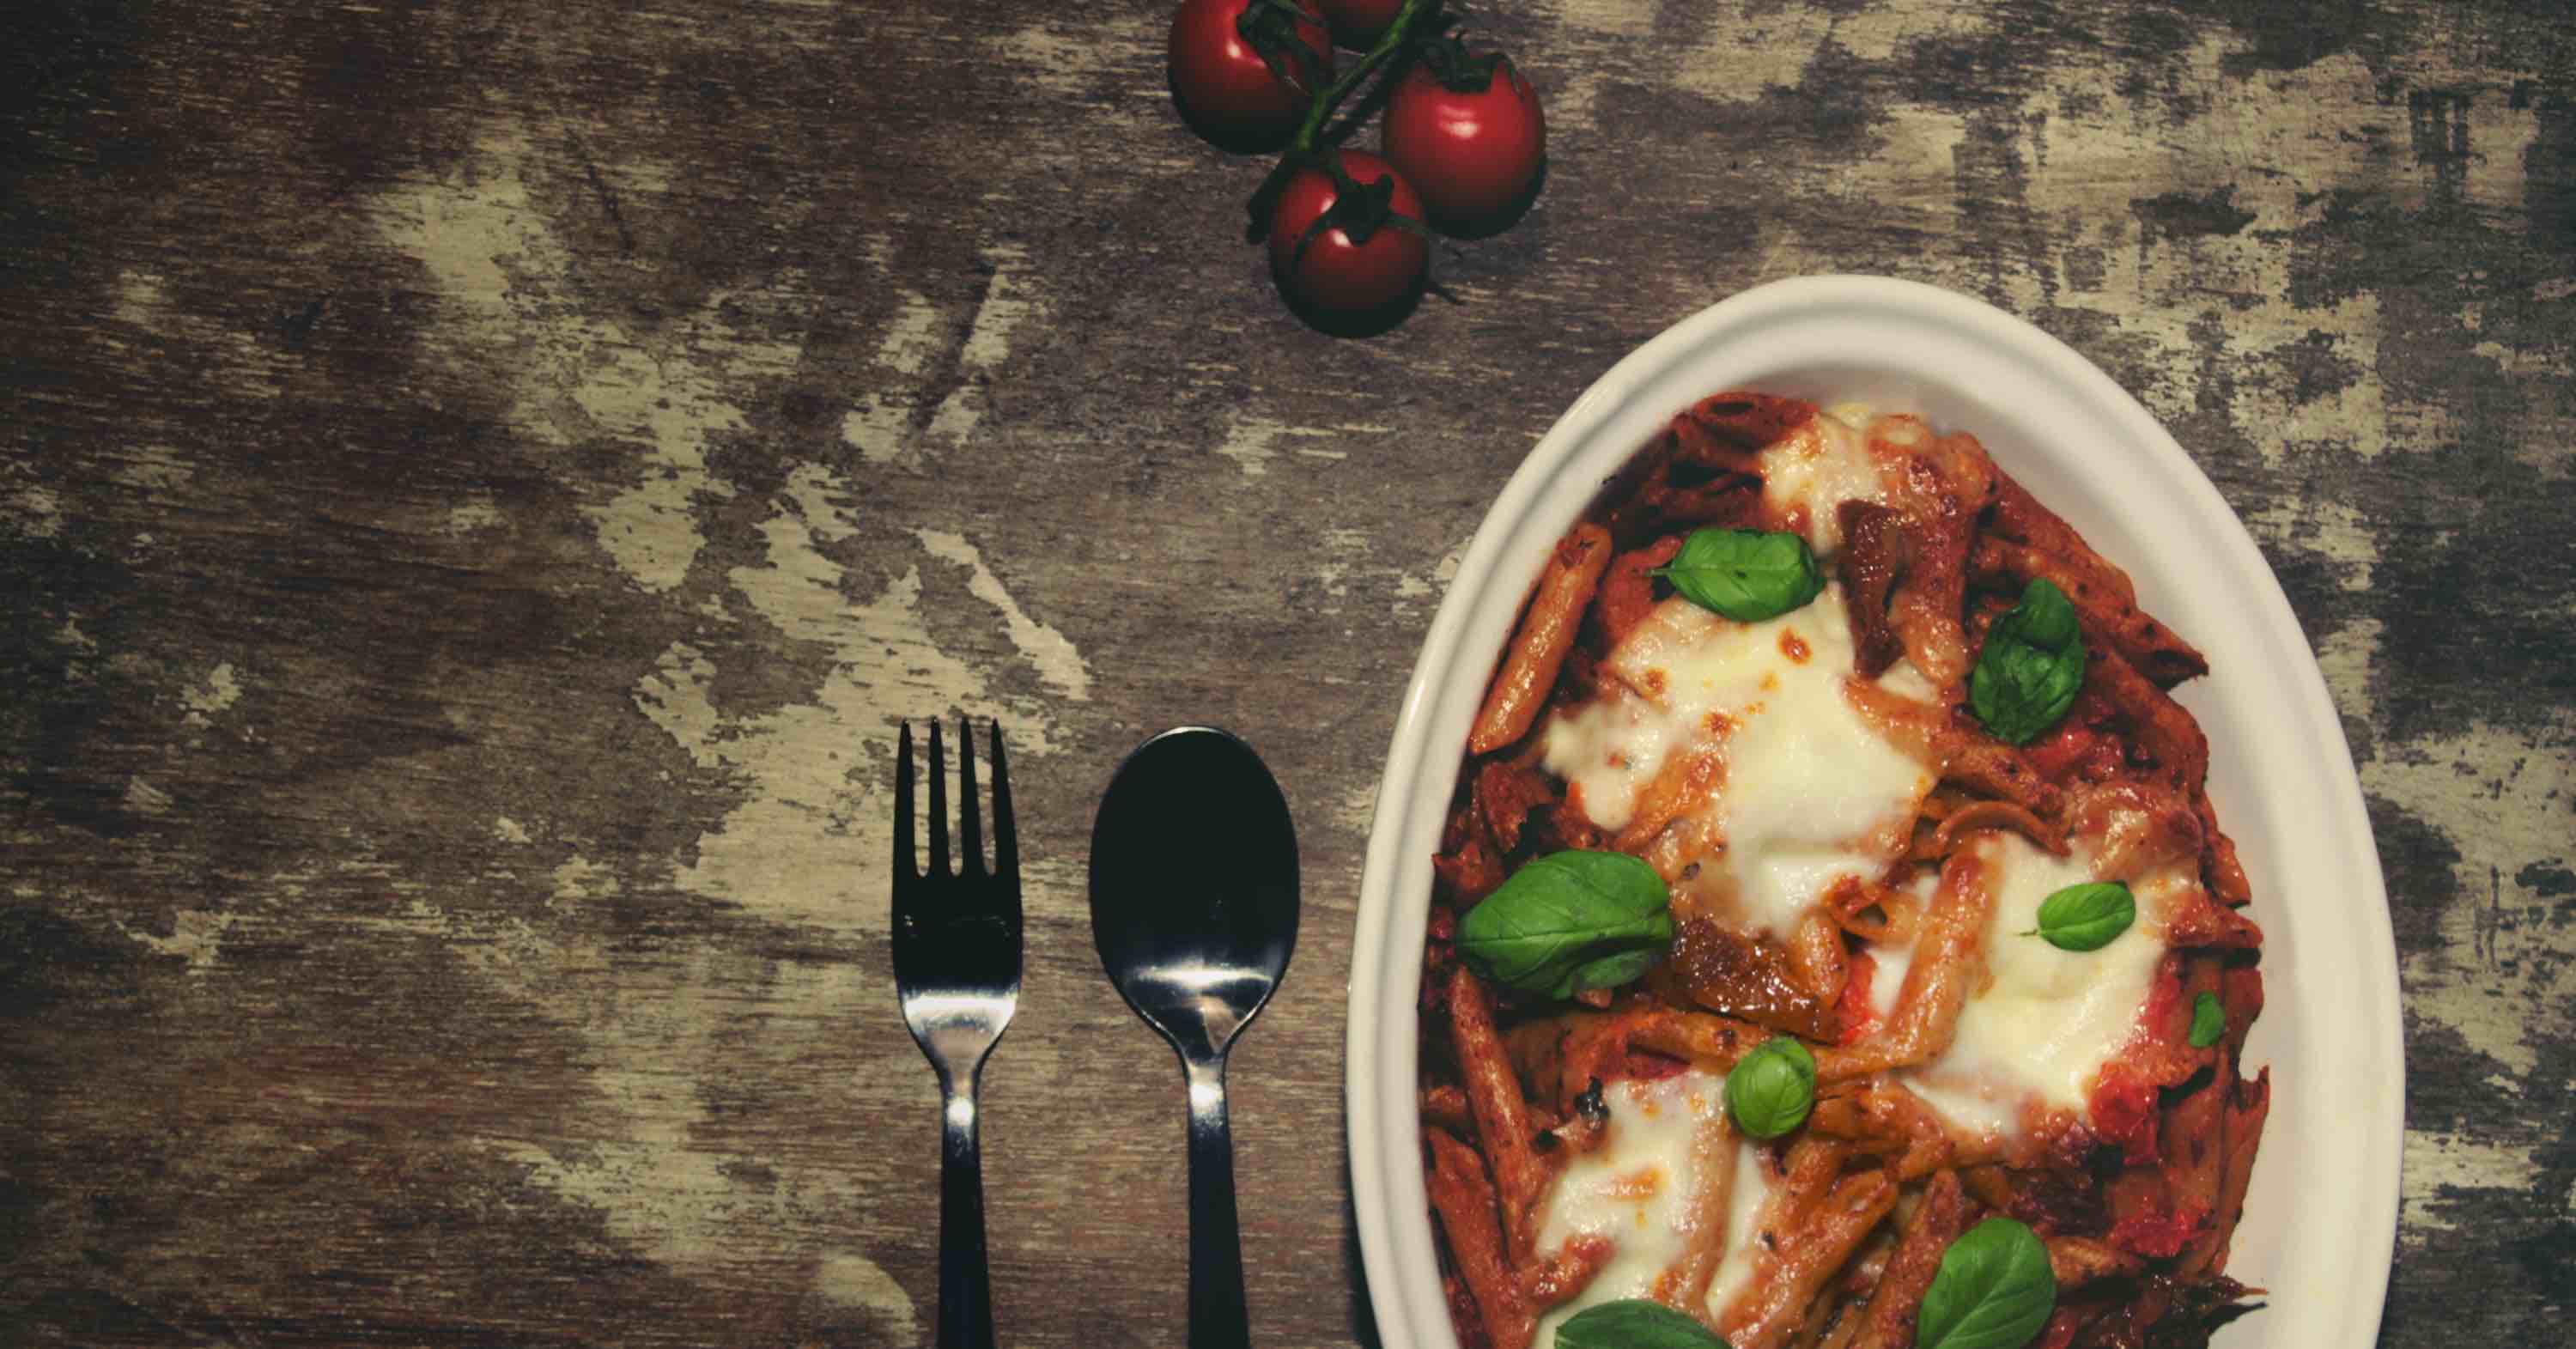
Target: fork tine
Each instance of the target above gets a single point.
(1006, 836)
(938, 804)
(905, 865)
(970, 821)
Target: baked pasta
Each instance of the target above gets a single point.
(1833, 942)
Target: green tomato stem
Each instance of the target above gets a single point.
(1389, 43)
(1319, 110)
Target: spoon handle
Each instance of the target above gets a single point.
(1218, 1318)
(965, 1278)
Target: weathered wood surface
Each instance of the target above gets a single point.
(480, 481)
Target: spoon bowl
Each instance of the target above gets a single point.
(1194, 909)
(1194, 885)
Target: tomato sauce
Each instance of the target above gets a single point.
(1853, 1010)
(2161, 1235)
(1645, 1065)
(2124, 1115)
(2086, 743)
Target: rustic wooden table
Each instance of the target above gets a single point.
(481, 481)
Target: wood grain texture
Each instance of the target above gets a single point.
(479, 483)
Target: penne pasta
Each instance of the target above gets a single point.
(1711, 1042)
(2109, 612)
(1945, 970)
(1445, 1107)
(2014, 955)
(1886, 1320)
(2102, 594)
(2077, 1262)
(1628, 590)
(1503, 1128)
(1464, 1198)
(1820, 1235)
(1546, 634)
(1564, 1274)
(1705, 1234)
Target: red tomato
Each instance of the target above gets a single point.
(1357, 23)
(1471, 152)
(1223, 85)
(1336, 272)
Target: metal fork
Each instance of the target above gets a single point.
(957, 972)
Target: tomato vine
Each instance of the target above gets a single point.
(1349, 231)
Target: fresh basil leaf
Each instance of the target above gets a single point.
(1627, 967)
(2085, 917)
(1994, 1290)
(2208, 1021)
(2045, 618)
(1570, 921)
(1746, 574)
(1772, 1088)
(1635, 1323)
(2032, 665)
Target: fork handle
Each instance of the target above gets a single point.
(965, 1277)
(1218, 1316)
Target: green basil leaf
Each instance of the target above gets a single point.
(1627, 967)
(1745, 574)
(1772, 1088)
(2085, 917)
(2030, 668)
(1570, 921)
(2208, 1021)
(1994, 1290)
(2045, 618)
(1635, 1323)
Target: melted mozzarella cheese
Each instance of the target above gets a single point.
(1894, 958)
(2048, 1019)
(1816, 468)
(1636, 1190)
(1888, 978)
(1902, 678)
(1810, 793)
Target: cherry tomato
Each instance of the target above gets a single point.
(1221, 82)
(1471, 143)
(1357, 23)
(1336, 272)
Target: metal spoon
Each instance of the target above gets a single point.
(1194, 908)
